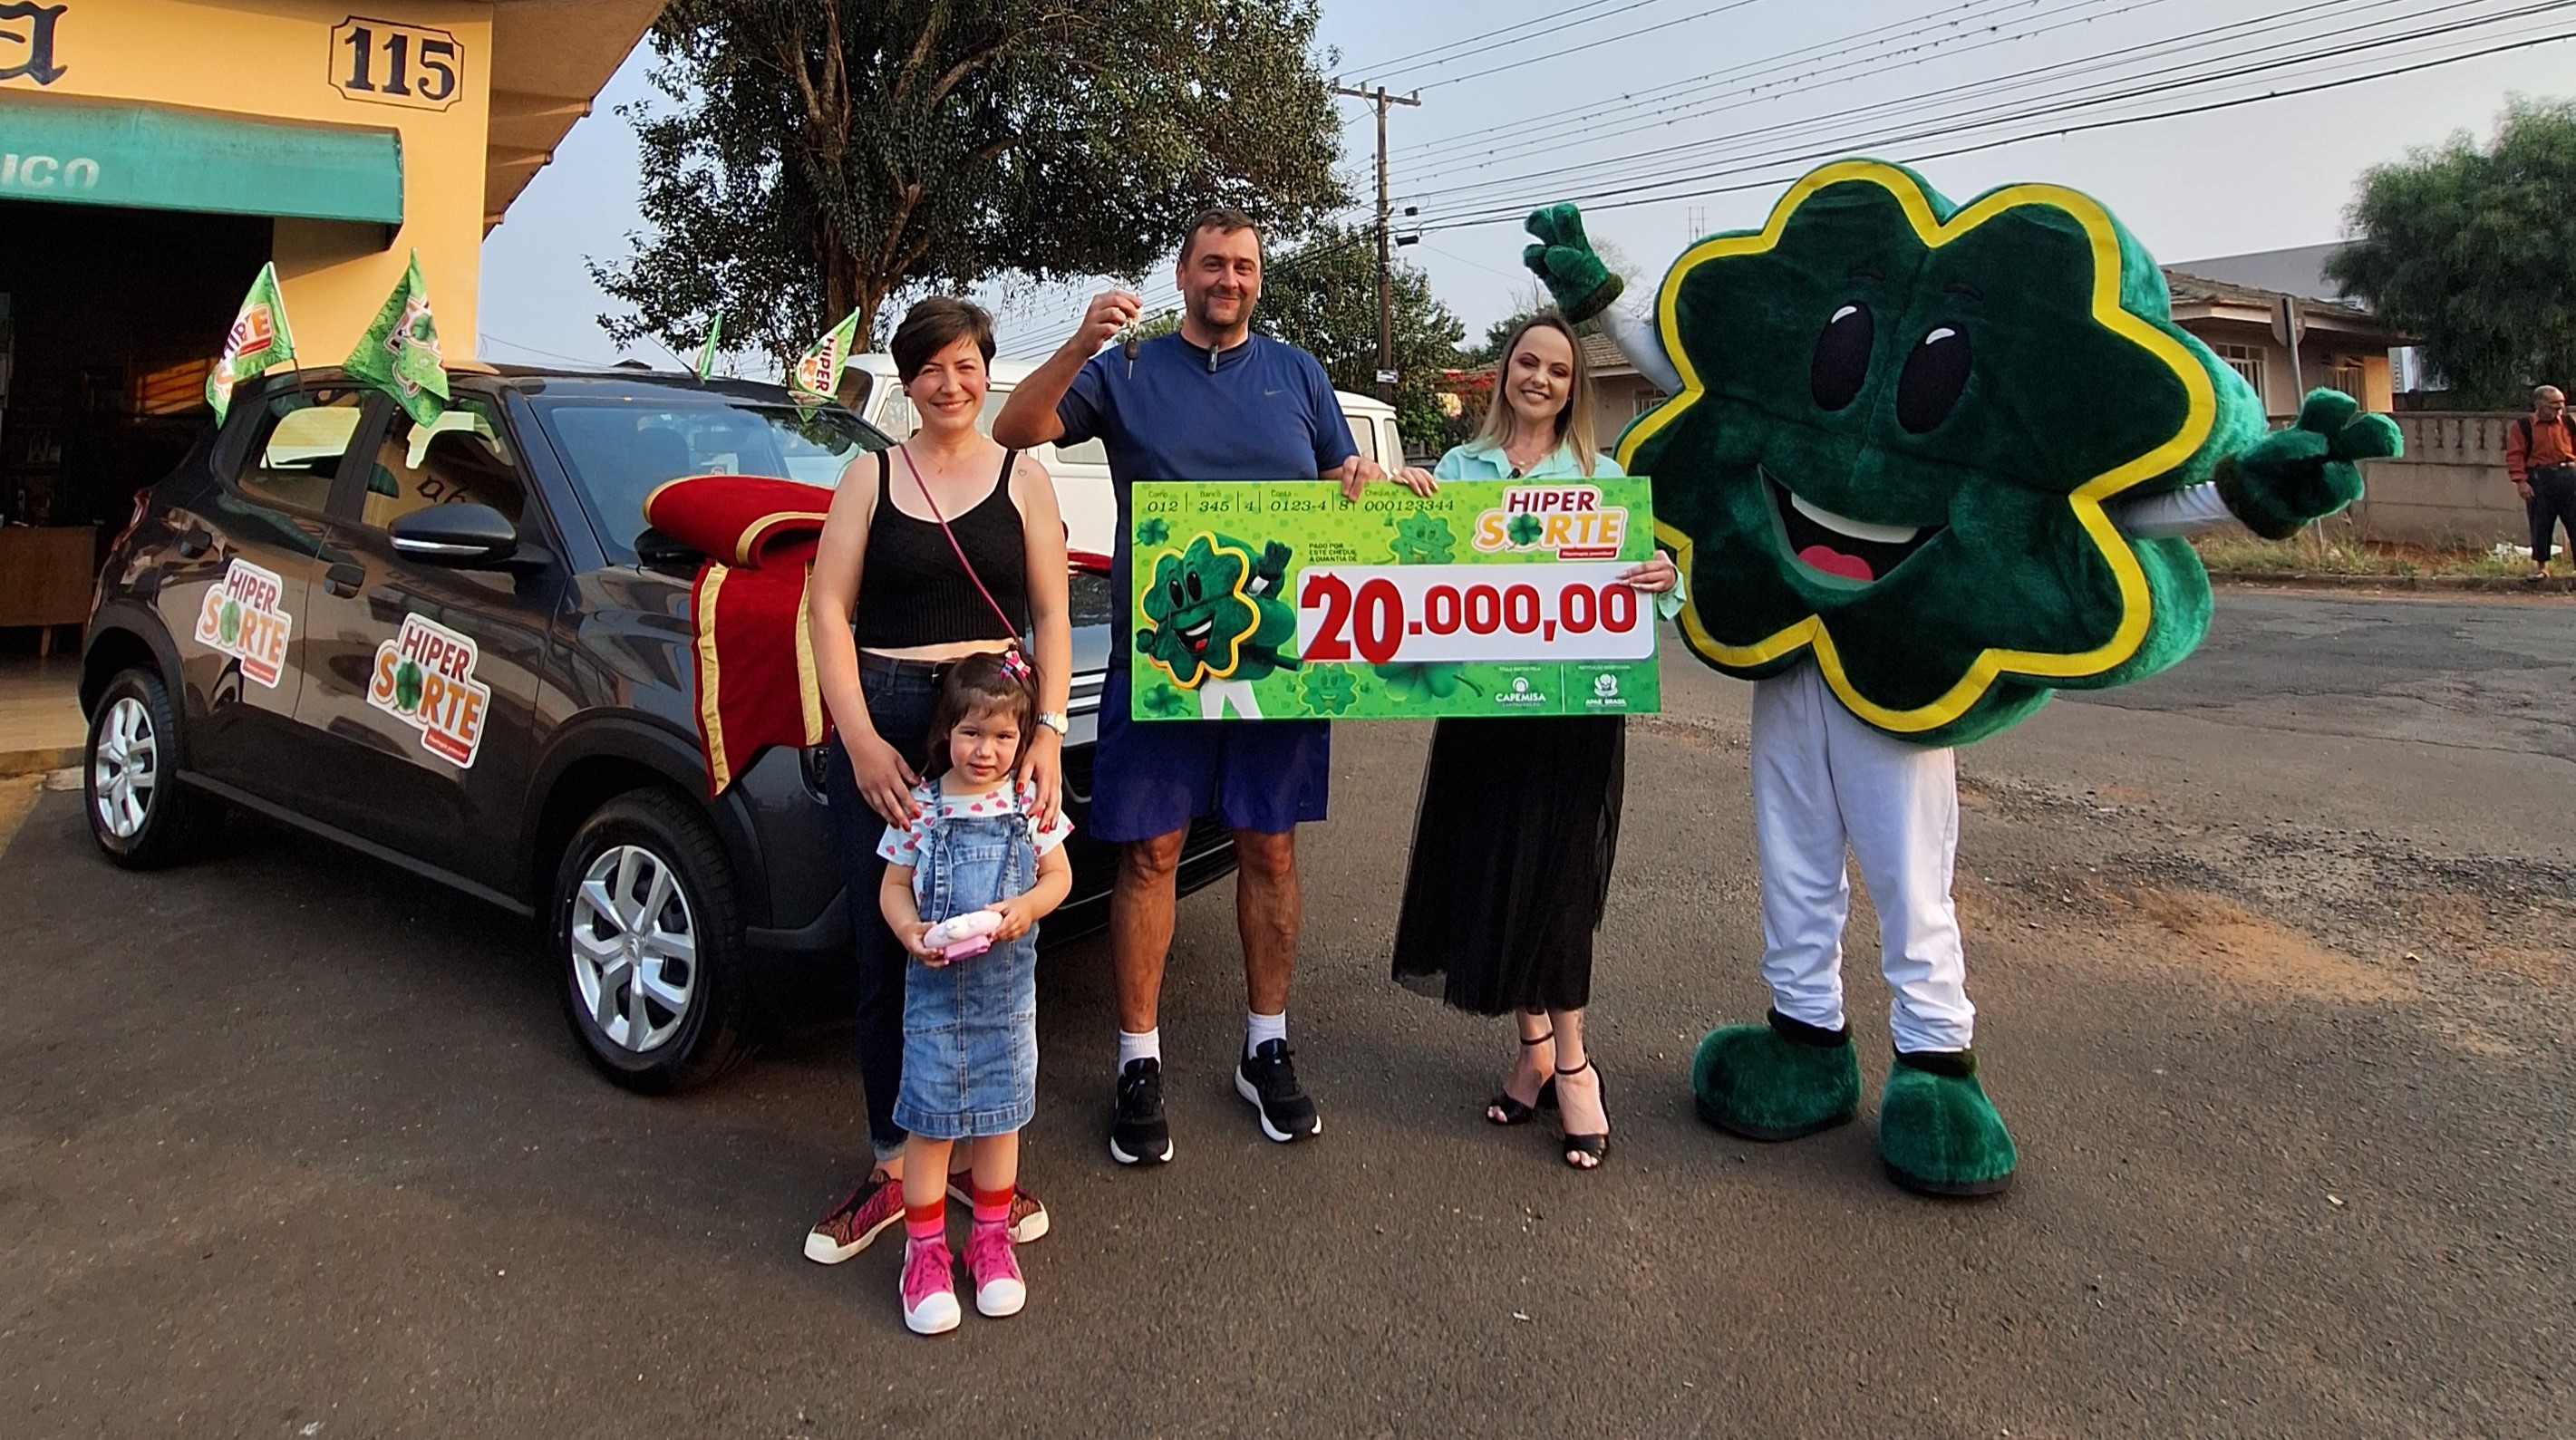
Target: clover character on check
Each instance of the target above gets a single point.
(1215, 620)
(1923, 464)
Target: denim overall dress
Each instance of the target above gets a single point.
(970, 1029)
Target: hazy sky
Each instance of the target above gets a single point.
(1761, 90)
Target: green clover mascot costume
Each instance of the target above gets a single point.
(1923, 463)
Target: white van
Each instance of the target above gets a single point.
(1081, 471)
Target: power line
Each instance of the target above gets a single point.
(1556, 55)
(1796, 132)
(490, 339)
(1653, 93)
(1568, 15)
(1981, 87)
(1751, 80)
(1625, 199)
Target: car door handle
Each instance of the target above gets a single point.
(344, 580)
(192, 542)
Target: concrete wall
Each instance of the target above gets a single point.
(2449, 489)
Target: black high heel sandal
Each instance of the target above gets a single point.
(1597, 1147)
(1504, 1110)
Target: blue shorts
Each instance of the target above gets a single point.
(1153, 778)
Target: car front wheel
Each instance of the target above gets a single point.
(650, 936)
(138, 813)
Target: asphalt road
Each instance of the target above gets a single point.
(2272, 954)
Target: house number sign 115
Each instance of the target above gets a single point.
(395, 64)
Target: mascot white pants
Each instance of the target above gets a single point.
(1823, 779)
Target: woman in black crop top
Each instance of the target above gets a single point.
(891, 601)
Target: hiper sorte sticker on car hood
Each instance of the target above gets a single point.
(425, 678)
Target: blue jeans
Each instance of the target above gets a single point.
(900, 696)
(970, 1029)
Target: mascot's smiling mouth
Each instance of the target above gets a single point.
(1840, 546)
(1196, 637)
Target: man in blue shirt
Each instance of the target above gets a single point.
(1212, 402)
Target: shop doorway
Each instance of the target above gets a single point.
(113, 318)
(109, 321)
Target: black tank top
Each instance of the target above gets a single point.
(913, 592)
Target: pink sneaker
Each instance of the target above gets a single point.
(929, 1289)
(999, 1290)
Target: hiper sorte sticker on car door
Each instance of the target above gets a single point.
(241, 618)
(425, 678)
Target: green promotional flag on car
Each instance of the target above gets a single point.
(816, 375)
(707, 351)
(259, 339)
(399, 353)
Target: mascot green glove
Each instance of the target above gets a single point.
(1215, 621)
(1923, 464)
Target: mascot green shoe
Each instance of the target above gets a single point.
(1923, 465)
(1937, 1131)
(1776, 1081)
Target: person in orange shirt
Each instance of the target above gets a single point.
(2540, 455)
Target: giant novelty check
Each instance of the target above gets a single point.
(1284, 601)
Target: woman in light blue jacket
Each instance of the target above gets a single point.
(1519, 818)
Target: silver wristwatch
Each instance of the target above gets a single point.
(1055, 721)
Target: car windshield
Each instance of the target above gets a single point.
(619, 449)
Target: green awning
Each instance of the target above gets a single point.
(154, 157)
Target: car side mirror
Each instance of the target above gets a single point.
(469, 537)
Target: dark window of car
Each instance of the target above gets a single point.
(461, 458)
(620, 450)
(296, 451)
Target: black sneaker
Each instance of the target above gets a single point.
(1268, 1078)
(1138, 1134)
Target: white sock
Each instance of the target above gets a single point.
(1260, 1029)
(1148, 1046)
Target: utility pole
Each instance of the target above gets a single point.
(1385, 262)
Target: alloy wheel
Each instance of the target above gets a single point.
(125, 767)
(634, 947)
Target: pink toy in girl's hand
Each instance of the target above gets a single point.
(960, 936)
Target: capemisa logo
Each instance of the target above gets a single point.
(425, 678)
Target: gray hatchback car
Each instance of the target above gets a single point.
(457, 648)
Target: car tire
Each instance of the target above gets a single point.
(649, 942)
(139, 814)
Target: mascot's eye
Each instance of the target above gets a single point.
(1178, 599)
(1841, 361)
(1934, 375)
(1194, 588)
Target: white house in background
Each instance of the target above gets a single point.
(2352, 351)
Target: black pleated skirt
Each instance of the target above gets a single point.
(1513, 841)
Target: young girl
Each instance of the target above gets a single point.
(970, 1034)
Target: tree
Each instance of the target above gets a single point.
(2468, 249)
(830, 155)
(1322, 298)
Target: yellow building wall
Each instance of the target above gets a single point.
(275, 59)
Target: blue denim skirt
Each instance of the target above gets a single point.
(970, 1029)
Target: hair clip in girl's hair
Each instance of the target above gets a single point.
(1016, 665)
